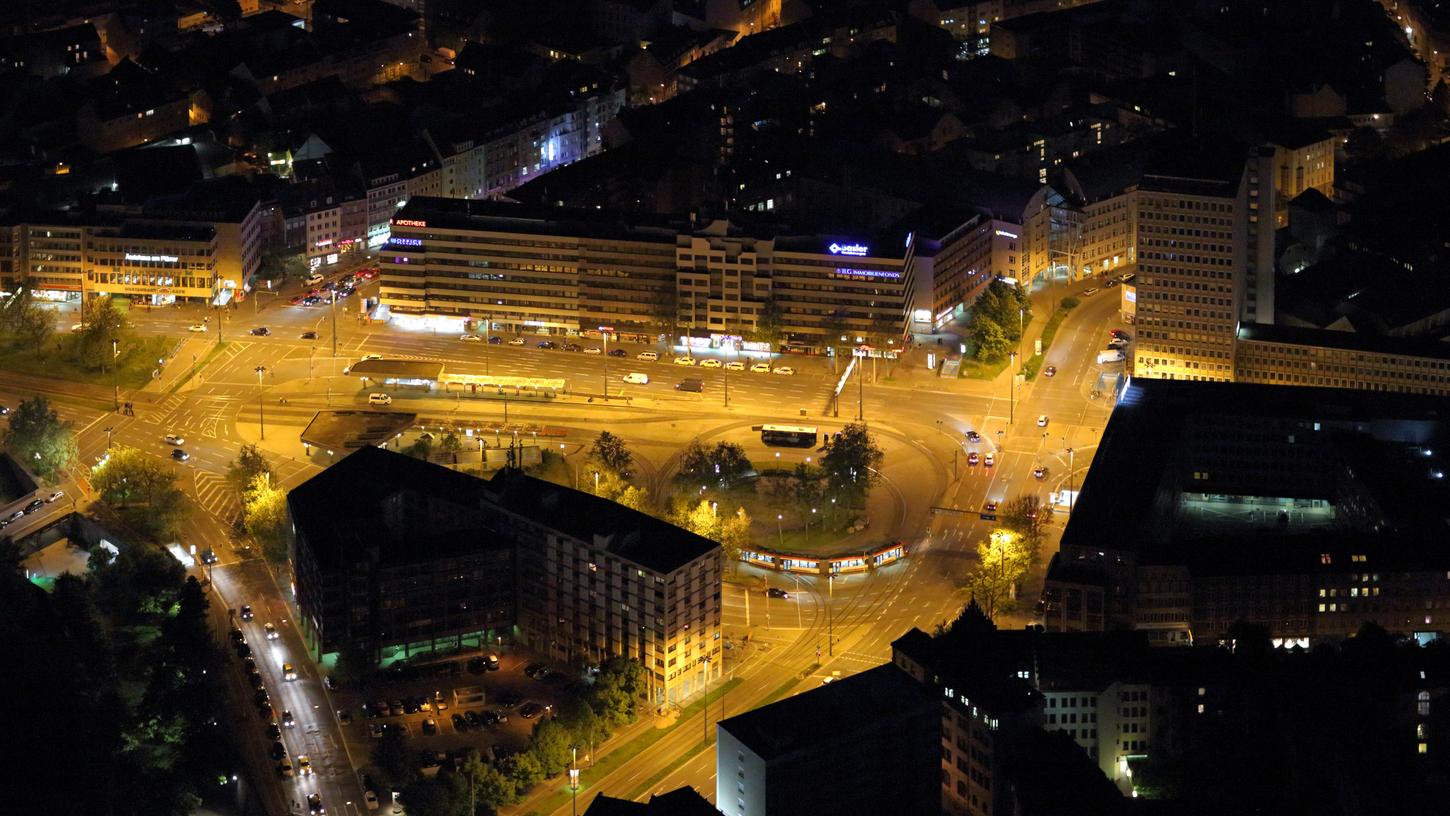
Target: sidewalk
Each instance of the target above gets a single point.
(185, 358)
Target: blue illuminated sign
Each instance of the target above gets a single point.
(408, 241)
(857, 250)
(846, 272)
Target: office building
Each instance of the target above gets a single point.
(859, 745)
(1205, 259)
(1307, 510)
(395, 556)
(392, 556)
(564, 271)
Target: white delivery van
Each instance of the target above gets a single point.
(1115, 356)
(380, 399)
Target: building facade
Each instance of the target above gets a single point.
(564, 272)
(394, 557)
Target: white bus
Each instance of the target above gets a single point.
(798, 436)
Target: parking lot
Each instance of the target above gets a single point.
(480, 708)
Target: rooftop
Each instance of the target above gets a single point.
(827, 715)
(624, 533)
(347, 430)
(684, 801)
(1183, 462)
(1355, 341)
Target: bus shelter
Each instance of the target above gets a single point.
(537, 386)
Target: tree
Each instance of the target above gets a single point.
(550, 746)
(610, 453)
(620, 682)
(735, 535)
(632, 497)
(524, 769)
(989, 338)
(243, 470)
(578, 716)
(142, 490)
(665, 312)
(451, 445)
(495, 787)
(279, 264)
(264, 513)
(1005, 305)
(23, 318)
(420, 449)
(1002, 561)
(768, 325)
(390, 757)
(851, 463)
(428, 797)
(102, 328)
(39, 439)
(1029, 517)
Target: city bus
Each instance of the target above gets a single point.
(799, 436)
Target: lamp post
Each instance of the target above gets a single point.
(108, 430)
(1012, 389)
(596, 483)
(116, 352)
(605, 330)
(705, 702)
(779, 532)
(1070, 495)
(334, 321)
(261, 407)
(574, 779)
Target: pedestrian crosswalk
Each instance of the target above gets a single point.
(160, 413)
(215, 495)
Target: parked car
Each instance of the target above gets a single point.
(380, 399)
(734, 365)
(785, 370)
(430, 726)
(495, 340)
(618, 352)
(594, 350)
(647, 356)
(460, 722)
(684, 361)
(547, 344)
(517, 341)
(537, 671)
(34, 505)
(531, 710)
(470, 338)
(575, 347)
(243, 650)
(284, 769)
(760, 368)
(711, 363)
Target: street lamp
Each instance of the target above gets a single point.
(705, 702)
(108, 430)
(574, 779)
(116, 352)
(779, 532)
(261, 408)
(1012, 389)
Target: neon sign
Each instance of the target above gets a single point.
(408, 222)
(152, 258)
(856, 250)
(847, 272)
(408, 241)
(1004, 234)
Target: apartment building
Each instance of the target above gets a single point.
(597, 580)
(564, 271)
(395, 556)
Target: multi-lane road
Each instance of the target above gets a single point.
(920, 421)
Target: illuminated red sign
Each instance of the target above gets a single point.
(408, 222)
